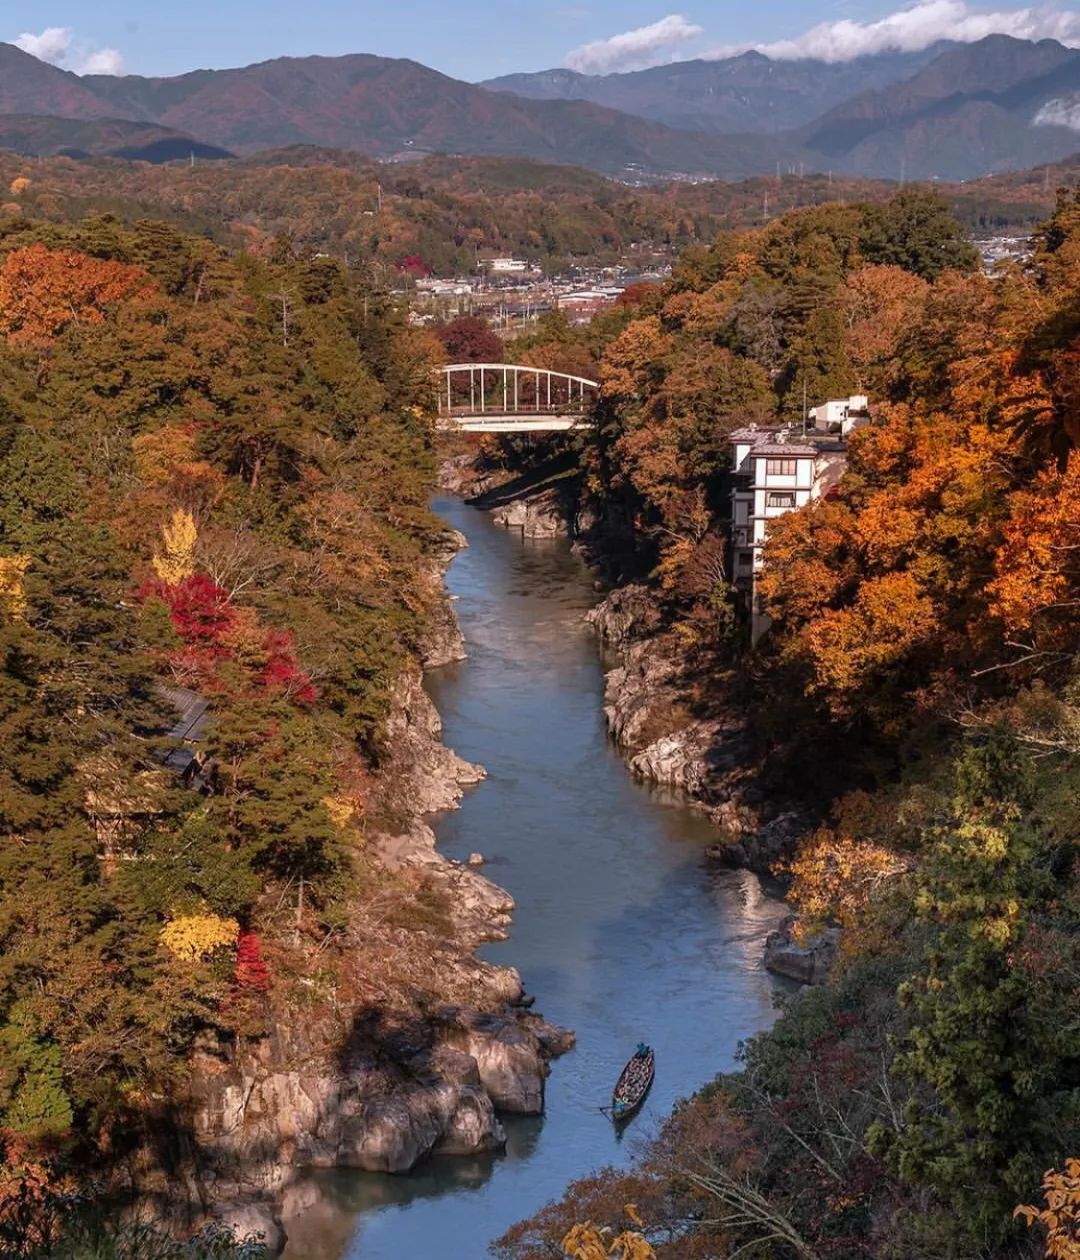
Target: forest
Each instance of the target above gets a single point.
(216, 454)
(442, 213)
(920, 681)
(215, 471)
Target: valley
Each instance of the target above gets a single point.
(502, 582)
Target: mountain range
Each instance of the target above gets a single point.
(952, 111)
(747, 93)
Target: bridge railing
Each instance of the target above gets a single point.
(509, 389)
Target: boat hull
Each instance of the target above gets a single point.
(633, 1086)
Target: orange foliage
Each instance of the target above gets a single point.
(850, 645)
(43, 290)
(631, 362)
(878, 304)
(838, 878)
(1038, 564)
(1061, 1216)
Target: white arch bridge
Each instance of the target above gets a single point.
(513, 398)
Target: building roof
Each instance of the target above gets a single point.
(778, 450)
(192, 710)
(768, 442)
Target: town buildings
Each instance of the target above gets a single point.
(776, 470)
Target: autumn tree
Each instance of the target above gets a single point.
(916, 230)
(42, 291)
(470, 339)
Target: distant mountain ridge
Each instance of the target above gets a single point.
(970, 112)
(748, 93)
(384, 107)
(953, 111)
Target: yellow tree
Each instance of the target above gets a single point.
(12, 590)
(193, 937)
(588, 1242)
(176, 561)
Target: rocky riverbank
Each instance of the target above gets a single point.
(653, 714)
(712, 757)
(543, 504)
(398, 1045)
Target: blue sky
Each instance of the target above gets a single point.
(474, 39)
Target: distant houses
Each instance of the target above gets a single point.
(775, 471)
(508, 266)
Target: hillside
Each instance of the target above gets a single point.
(950, 112)
(444, 210)
(30, 86)
(974, 110)
(447, 210)
(387, 107)
(749, 93)
(37, 135)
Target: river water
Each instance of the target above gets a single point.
(622, 930)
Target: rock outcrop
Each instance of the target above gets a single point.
(444, 643)
(710, 756)
(371, 1073)
(536, 516)
(465, 473)
(808, 961)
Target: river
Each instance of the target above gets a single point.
(622, 930)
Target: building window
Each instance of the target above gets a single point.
(776, 500)
(781, 467)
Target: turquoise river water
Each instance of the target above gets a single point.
(622, 931)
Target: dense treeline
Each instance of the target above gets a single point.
(214, 474)
(923, 664)
(442, 213)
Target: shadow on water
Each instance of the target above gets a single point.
(622, 930)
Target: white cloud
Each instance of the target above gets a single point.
(911, 29)
(53, 44)
(102, 61)
(1060, 112)
(59, 46)
(632, 49)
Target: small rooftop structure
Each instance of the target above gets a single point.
(840, 415)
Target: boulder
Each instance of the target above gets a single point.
(537, 516)
(809, 961)
(677, 760)
(473, 1128)
(393, 1134)
(628, 612)
(509, 1057)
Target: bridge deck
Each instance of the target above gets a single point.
(513, 398)
(519, 422)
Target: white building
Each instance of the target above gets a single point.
(778, 470)
(508, 265)
(841, 415)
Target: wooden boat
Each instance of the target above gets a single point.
(633, 1084)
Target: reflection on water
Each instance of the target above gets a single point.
(621, 930)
